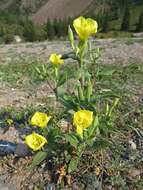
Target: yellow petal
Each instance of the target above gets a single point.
(79, 25)
(83, 118)
(79, 131)
(35, 141)
(40, 119)
(85, 27)
(92, 26)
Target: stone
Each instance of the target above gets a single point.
(22, 150)
(133, 146)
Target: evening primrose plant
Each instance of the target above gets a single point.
(90, 117)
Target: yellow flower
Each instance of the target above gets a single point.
(85, 27)
(9, 121)
(82, 120)
(56, 59)
(35, 141)
(40, 119)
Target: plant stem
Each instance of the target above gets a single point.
(56, 82)
(82, 47)
(82, 80)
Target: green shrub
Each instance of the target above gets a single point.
(126, 20)
(8, 38)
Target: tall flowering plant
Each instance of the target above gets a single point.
(88, 122)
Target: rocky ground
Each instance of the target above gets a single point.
(121, 51)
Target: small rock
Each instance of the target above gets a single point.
(50, 186)
(141, 100)
(133, 146)
(10, 135)
(133, 173)
(22, 150)
(7, 147)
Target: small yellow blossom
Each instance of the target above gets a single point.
(35, 141)
(85, 27)
(97, 171)
(9, 121)
(56, 59)
(40, 119)
(82, 120)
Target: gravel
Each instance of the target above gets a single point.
(120, 51)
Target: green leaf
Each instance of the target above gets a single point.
(73, 140)
(73, 164)
(89, 90)
(67, 103)
(92, 130)
(107, 72)
(62, 79)
(38, 158)
(114, 105)
(38, 70)
(71, 37)
(67, 158)
(80, 93)
(103, 127)
(107, 109)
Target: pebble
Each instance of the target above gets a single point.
(133, 173)
(133, 146)
(22, 150)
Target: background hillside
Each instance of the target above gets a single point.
(61, 9)
(36, 20)
(41, 10)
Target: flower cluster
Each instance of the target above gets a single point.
(82, 119)
(34, 140)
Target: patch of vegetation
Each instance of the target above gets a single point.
(15, 23)
(20, 73)
(120, 161)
